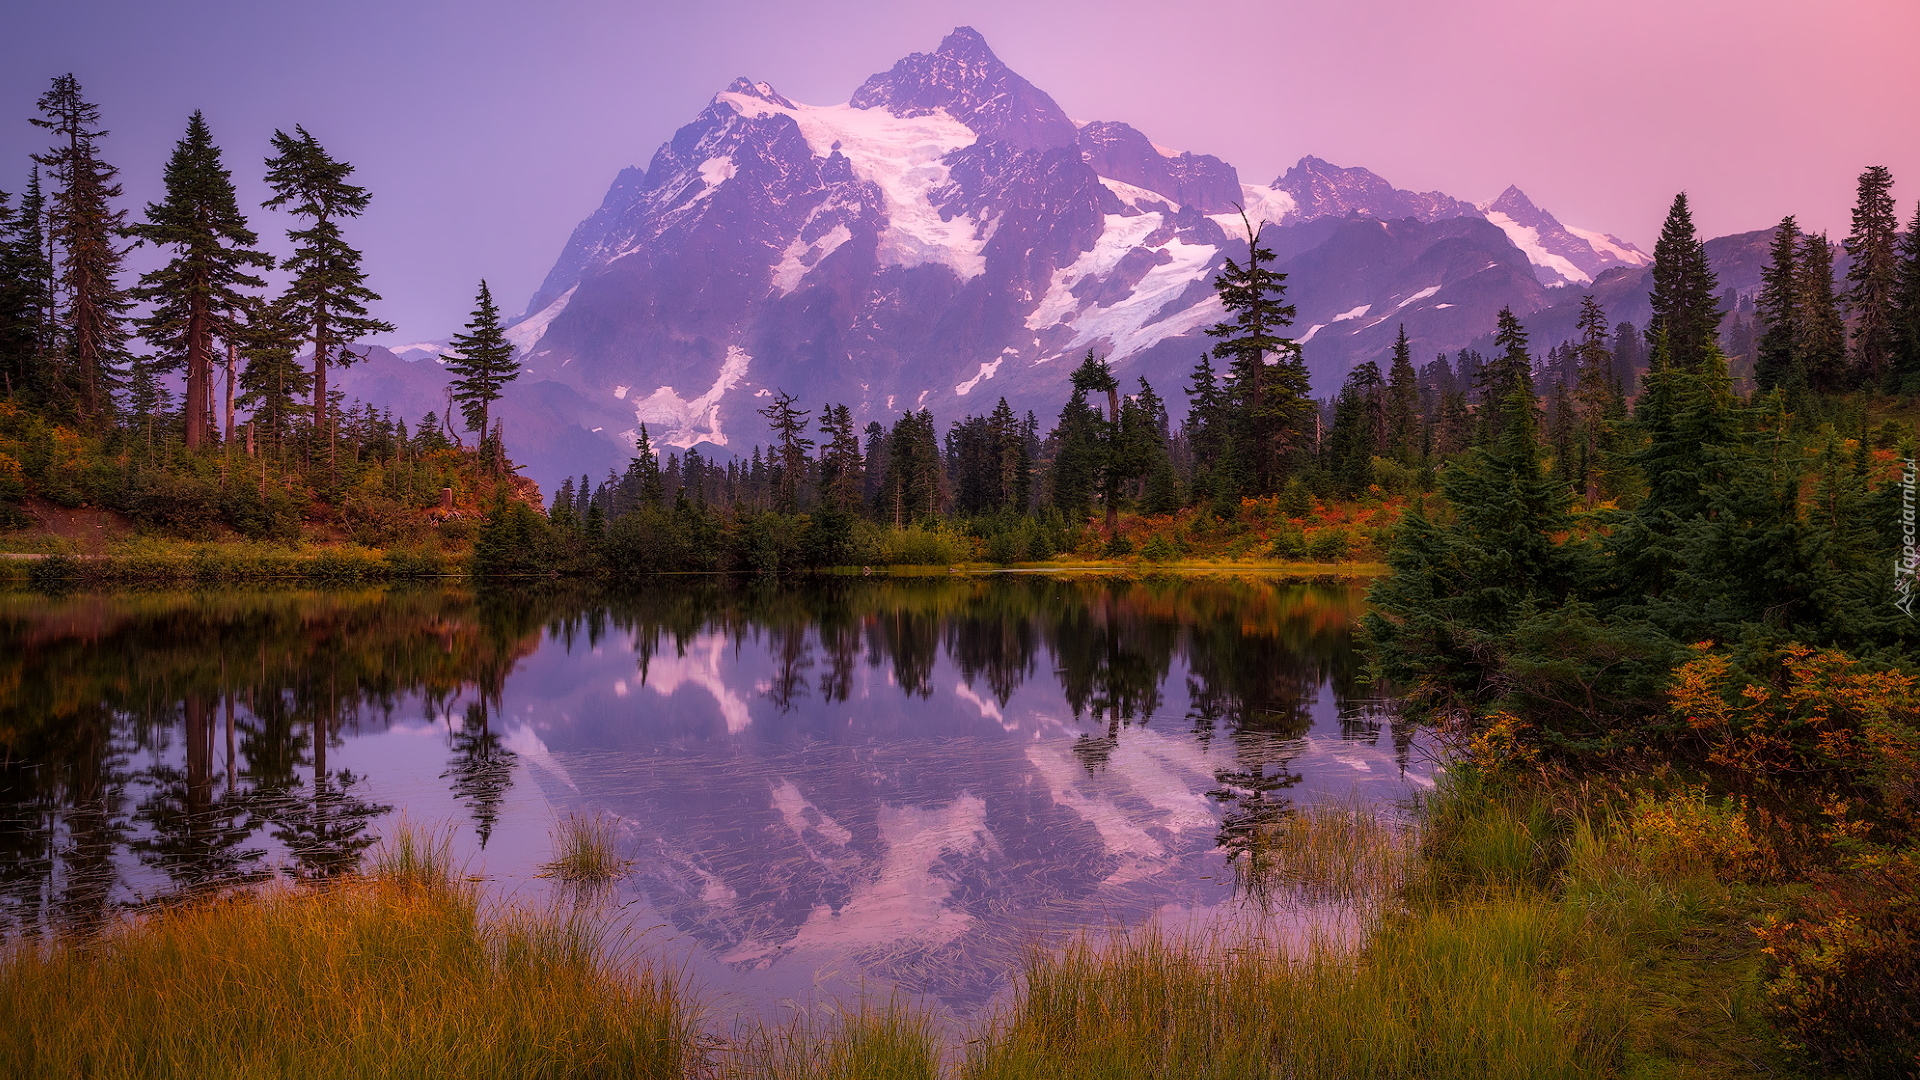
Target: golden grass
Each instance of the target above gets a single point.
(393, 975)
(586, 851)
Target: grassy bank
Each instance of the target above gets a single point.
(1535, 931)
(395, 974)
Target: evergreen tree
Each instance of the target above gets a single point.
(1907, 309)
(841, 482)
(1206, 426)
(481, 360)
(791, 449)
(1507, 374)
(328, 296)
(1094, 376)
(1267, 384)
(1596, 398)
(1873, 277)
(1821, 348)
(1685, 290)
(1629, 357)
(196, 297)
(82, 227)
(273, 381)
(1403, 425)
(1142, 450)
(1779, 365)
(1348, 447)
(1079, 453)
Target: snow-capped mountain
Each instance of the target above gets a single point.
(949, 236)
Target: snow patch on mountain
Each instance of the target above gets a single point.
(986, 371)
(1527, 239)
(695, 420)
(1263, 204)
(716, 170)
(902, 156)
(803, 255)
(1417, 297)
(1613, 247)
(527, 333)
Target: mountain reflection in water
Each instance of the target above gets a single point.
(897, 783)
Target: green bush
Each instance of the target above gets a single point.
(1159, 548)
(176, 503)
(916, 546)
(1289, 542)
(1330, 545)
(1118, 547)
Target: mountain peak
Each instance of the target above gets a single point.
(1323, 189)
(965, 78)
(1514, 203)
(760, 90)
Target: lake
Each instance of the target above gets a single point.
(840, 787)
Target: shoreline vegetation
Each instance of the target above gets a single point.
(1532, 928)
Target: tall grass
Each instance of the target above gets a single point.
(586, 851)
(868, 1042)
(390, 976)
(1340, 850)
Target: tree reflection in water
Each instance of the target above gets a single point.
(168, 743)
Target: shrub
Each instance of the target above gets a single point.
(176, 503)
(1289, 542)
(1846, 975)
(1118, 547)
(1684, 832)
(916, 546)
(1330, 545)
(1159, 548)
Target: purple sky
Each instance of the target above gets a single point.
(486, 130)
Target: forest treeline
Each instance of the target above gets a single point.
(256, 439)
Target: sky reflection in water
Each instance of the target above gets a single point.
(872, 786)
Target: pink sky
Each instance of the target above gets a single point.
(487, 130)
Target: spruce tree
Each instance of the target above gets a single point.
(841, 482)
(1596, 398)
(1507, 374)
(19, 307)
(1094, 376)
(1779, 364)
(481, 360)
(328, 296)
(1348, 447)
(1685, 290)
(196, 297)
(1267, 384)
(790, 450)
(272, 382)
(82, 227)
(1821, 345)
(1405, 443)
(1873, 278)
(1907, 310)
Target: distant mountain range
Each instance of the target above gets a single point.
(948, 237)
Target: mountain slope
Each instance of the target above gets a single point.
(948, 236)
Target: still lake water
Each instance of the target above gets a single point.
(857, 786)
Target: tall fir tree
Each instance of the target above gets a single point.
(1873, 278)
(1907, 310)
(1094, 376)
(841, 480)
(82, 227)
(272, 382)
(1510, 372)
(1779, 364)
(1596, 399)
(1821, 344)
(1685, 290)
(481, 360)
(197, 296)
(328, 295)
(1404, 436)
(1271, 407)
(791, 450)
(1349, 446)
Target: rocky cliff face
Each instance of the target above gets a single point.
(947, 237)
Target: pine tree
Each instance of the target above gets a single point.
(1507, 374)
(1094, 376)
(1348, 447)
(1596, 397)
(19, 306)
(1267, 384)
(1821, 346)
(82, 227)
(481, 360)
(1873, 277)
(791, 449)
(1404, 437)
(273, 382)
(841, 479)
(1779, 365)
(328, 295)
(196, 296)
(1685, 290)
(1907, 309)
